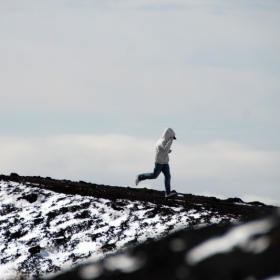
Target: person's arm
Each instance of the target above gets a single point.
(165, 145)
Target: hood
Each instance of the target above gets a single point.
(168, 132)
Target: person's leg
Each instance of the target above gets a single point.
(167, 177)
(154, 175)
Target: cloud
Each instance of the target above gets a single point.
(57, 78)
(53, 65)
(93, 157)
(228, 168)
(183, 62)
(180, 4)
(223, 158)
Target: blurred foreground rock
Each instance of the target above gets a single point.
(249, 250)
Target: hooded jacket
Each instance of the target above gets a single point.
(163, 146)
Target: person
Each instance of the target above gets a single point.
(161, 162)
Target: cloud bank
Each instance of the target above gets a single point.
(226, 168)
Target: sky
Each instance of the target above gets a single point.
(87, 88)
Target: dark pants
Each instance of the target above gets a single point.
(164, 168)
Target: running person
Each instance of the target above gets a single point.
(161, 162)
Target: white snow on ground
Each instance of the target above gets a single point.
(235, 237)
(73, 228)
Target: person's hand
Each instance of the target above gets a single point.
(170, 151)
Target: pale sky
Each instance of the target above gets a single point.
(88, 86)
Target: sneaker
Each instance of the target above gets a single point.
(137, 180)
(172, 193)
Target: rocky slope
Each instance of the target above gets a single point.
(49, 225)
(244, 251)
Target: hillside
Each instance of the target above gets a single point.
(243, 251)
(50, 225)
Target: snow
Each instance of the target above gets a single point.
(70, 229)
(91, 271)
(235, 237)
(124, 263)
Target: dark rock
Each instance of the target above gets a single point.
(115, 207)
(34, 250)
(246, 251)
(16, 235)
(7, 208)
(108, 247)
(14, 174)
(37, 221)
(256, 203)
(235, 200)
(82, 215)
(30, 197)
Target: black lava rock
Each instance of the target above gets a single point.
(34, 250)
(249, 250)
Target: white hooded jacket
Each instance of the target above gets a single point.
(163, 146)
